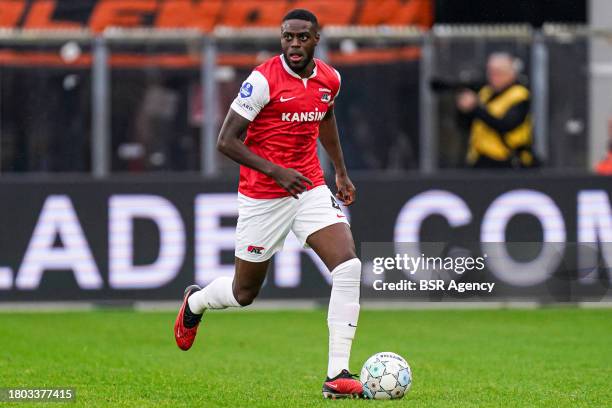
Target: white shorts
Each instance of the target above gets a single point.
(263, 224)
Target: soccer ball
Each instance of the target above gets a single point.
(386, 376)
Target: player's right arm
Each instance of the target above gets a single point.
(253, 96)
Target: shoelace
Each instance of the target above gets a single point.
(346, 374)
(190, 319)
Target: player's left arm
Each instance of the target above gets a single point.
(328, 134)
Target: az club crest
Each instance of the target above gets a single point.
(257, 250)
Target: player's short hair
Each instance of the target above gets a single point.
(302, 14)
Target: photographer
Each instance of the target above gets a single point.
(501, 128)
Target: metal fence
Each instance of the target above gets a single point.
(153, 100)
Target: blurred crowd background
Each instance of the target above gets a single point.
(113, 87)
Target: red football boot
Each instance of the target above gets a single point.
(186, 323)
(344, 385)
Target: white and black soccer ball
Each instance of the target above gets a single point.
(386, 376)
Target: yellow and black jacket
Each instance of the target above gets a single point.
(501, 132)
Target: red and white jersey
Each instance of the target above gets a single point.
(285, 111)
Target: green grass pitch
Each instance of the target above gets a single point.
(460, 358)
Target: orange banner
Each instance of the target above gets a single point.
(206, 14)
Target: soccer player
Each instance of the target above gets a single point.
(284, 105)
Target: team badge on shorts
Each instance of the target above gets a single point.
(255, 250)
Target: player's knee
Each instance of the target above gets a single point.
(349, 261)
(348, 255)
(245, 296)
